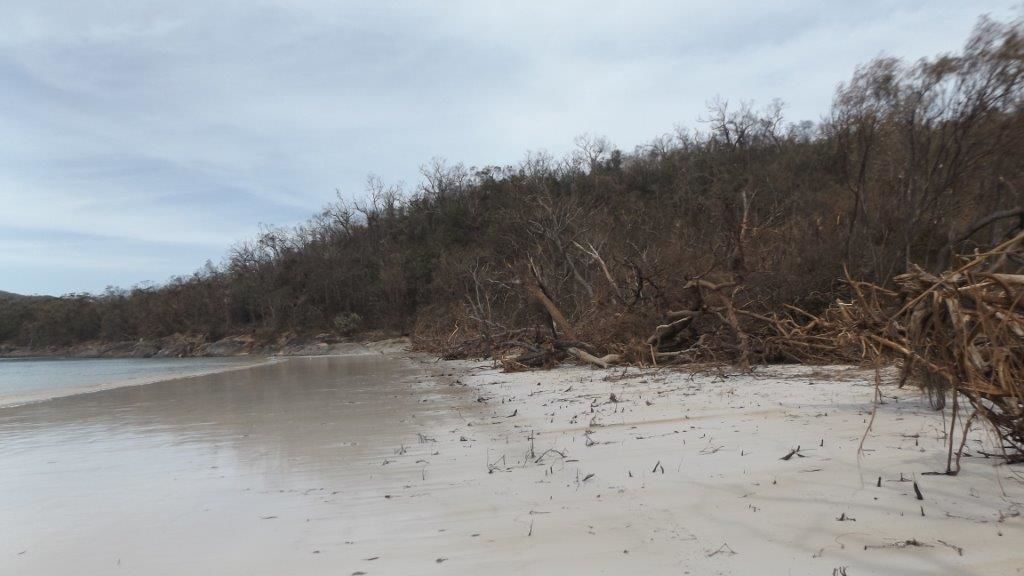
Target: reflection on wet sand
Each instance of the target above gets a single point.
(183, 476)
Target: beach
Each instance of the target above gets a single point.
(393, 463)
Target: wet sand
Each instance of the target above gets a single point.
(262, 471)
(385, 465)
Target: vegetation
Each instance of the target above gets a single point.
(915, 162)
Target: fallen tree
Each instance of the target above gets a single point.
(957, 335)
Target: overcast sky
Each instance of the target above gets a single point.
(139, 139)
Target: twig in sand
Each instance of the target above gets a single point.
(723, 549)
(492, 466)
(549, 451)
(874, 407)
(792, 452)
(959, 550)
(914, 542)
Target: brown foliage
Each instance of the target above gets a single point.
(958, 334)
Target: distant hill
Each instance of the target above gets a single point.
(9, 296)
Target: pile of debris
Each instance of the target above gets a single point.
(957, 335)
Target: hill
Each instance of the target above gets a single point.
(914, 162)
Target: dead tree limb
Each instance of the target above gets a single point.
(538, 291)
(602, 362)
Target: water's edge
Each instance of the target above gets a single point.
(246, 361)
(13, 399)
(197, 346)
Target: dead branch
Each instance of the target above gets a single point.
(540, 293)
(602, 362)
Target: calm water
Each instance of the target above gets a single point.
(31, 379)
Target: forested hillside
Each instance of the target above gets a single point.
(913, 163)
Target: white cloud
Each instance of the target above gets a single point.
(189, 122)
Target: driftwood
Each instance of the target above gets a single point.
(712, 330)
(678, 322)
(605, 361)
(959, 334)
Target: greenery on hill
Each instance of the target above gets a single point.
(913, 162)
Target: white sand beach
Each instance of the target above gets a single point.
(398, 465)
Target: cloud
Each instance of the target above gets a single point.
(187, 123)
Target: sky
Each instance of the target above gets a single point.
(140, 139)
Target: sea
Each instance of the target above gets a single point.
(24, 380)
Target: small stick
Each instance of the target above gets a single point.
(959, 550)
(723, 549)
(792, 452)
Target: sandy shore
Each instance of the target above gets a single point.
(681, 473)
(393, 466)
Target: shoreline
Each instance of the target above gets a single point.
(244, 473)
(252, 361)
(390, 462)
(189, 346)
(54, 394)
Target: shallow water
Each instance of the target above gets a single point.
(230, 473)
(32, 379)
